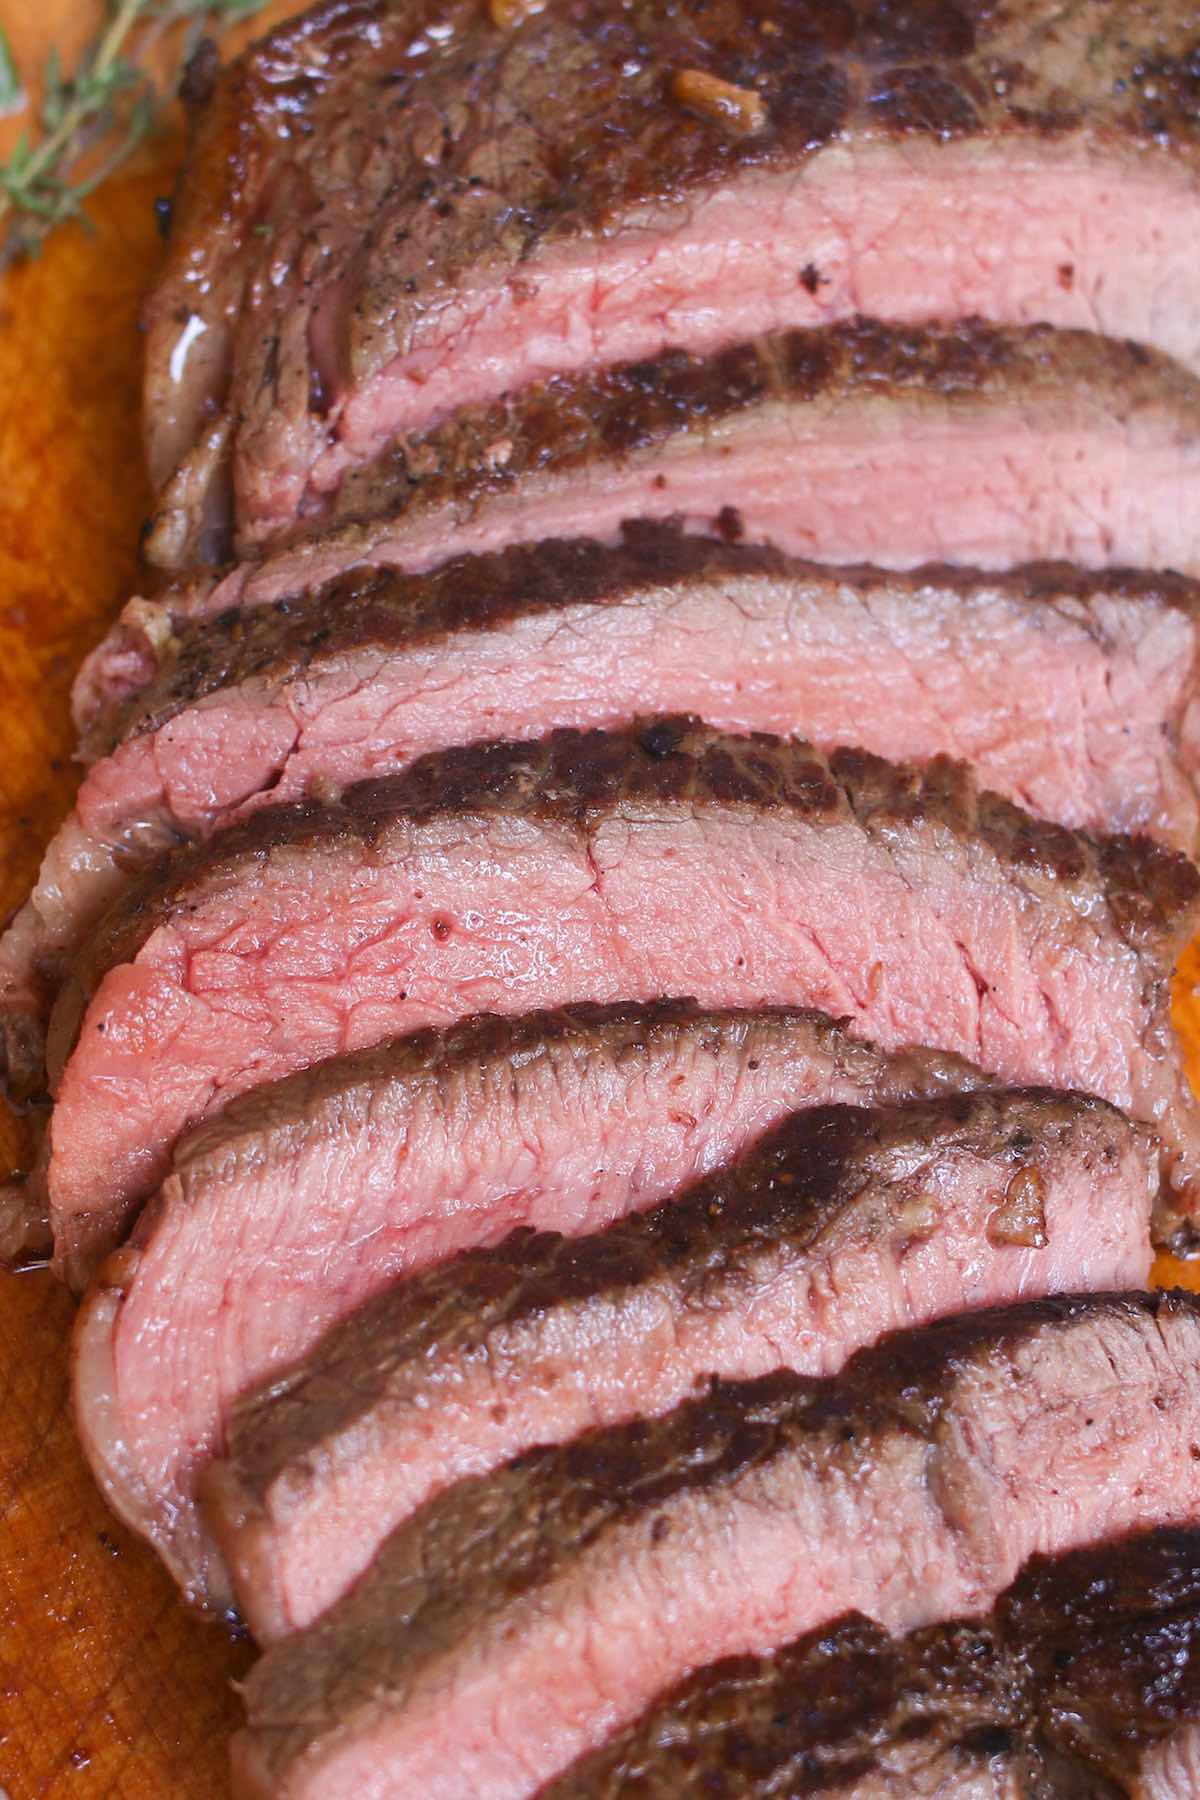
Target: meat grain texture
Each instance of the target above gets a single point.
(520, 1618)
(840, 1224)
(606, 866)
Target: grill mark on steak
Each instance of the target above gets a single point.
(417, 172)
(1124, 906)
(1075, 1685)
(760, 1265)
(519, 1618)
(426, 1146)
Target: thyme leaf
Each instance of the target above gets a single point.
(92, 119)
(12, 94)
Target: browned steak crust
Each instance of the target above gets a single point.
(620, 1032)
(831, 1710)
(1122, 903)
(568, 421)
(383, 607)
(1088, 1660)
(380, 149)
(826, 1177)
(1111, 1640)
(487, 1542)
(573, 777)
(611, 134)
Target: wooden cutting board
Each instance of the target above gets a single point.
(108, 1687)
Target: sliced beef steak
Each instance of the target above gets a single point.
(977, 446)
(394, 210)
(308, 1196)
(521, 1617)
(1075, 694)
(1025, 674)
(606, 866)
(1085, 1682)
(847, 1710)
(842, 1223)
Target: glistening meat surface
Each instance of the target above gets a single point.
(394, 210)
(521, 1617)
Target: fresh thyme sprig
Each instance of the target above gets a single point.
(92, 120)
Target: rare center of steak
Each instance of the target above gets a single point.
(606, 866)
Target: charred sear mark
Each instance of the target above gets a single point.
(922, 99)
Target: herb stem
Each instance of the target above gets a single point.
(110, 94)
(99, 65)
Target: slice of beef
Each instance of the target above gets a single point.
(524, 1615)
(1085, 1682)
(1073, 693)
(847, 1710)
(606, 866)
(310, 1195)
(842, 1223)
(977, 446)
(395, 210)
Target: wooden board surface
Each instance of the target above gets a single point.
(107, 1686)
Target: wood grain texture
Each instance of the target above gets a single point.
(108, 1687)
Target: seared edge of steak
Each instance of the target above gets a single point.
(625, 1031)
(797, 1211)
(385, 607)
(1128, 896)
(567, 1080)
(433, 494)
(574, 778)
(1089, 1660)
(341, 682)
(839, 1706)
(569, 421)
(476, 159)
(824, 1172)
(490, 1543)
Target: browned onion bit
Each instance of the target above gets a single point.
(742, 110)
(509, 13)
